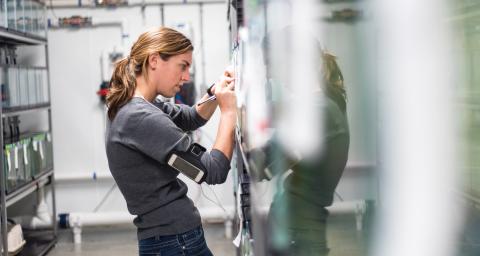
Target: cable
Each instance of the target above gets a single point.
(338, 195)
(105, 197)
(209, 199)
(51, 9)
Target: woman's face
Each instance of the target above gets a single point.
(168, 76)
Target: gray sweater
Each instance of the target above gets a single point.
(138, 141)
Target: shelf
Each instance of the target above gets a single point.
(26, 189)
(13, 111)
(9, 36)
(3, 65)
(10, 140)
(39, 242)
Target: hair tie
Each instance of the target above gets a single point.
(128, 64)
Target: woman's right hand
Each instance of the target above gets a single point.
(227, 101)
(226, 98)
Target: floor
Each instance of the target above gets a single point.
(343, 240)
(122, 240)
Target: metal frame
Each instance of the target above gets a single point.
(28, 188)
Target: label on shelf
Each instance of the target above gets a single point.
(35, 145)
(9, 161)
(40, 144)
(15, 156)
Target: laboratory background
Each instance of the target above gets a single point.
(356, 130)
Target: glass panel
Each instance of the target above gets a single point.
(301, 144)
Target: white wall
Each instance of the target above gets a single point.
(78, 115)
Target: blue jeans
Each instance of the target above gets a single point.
(189, 243)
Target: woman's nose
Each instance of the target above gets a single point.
(186, 76)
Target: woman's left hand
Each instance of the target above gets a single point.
(228, 73)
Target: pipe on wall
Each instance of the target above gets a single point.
(78, 220)
(94, 176)
(41, 219)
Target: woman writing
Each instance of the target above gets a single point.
(144, 131)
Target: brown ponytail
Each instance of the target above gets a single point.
(122, 87)
(332, 75)
(165, 41)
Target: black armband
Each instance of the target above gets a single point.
(189, 163)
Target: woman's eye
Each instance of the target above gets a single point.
(184, 67)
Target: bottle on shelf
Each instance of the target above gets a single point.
(26, 158)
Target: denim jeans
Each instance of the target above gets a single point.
(309, 242)
(189, 243)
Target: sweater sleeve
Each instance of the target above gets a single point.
(217, 166)
(185, 117)
(156, 136)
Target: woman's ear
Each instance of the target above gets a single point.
(153, 60)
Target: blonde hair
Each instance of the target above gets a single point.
(166, 42)
(331, 73)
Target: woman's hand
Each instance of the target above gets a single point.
(226, 98)
(228, 73)
(227, 101)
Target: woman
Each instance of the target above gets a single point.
(144, 131)
(299, 210)
(311, 186)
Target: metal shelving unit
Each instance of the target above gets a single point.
(38, 242)
(26, 189)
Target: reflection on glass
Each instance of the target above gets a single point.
(294, 134)
(310, 186)
(465, 20)
(318, 198)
